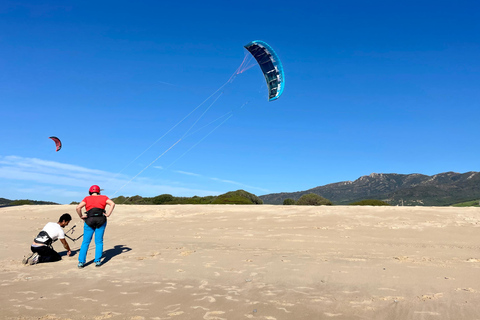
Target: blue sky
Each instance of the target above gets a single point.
(371, 86)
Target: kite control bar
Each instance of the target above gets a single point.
(72, 229)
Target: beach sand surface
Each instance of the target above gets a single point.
(249, 262)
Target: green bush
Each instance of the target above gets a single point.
(313, 199)
(163, 198)
(20, 202)
(237, 197)
(132, 200)
(231, 200)
(370, 202)
(288, 202)
(199, 200)
(119, 200)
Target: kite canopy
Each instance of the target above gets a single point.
(58, 143)
(271, 67)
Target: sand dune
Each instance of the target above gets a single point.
(251, 262)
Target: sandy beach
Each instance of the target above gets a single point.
(250, 262)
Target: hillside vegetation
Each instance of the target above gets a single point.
(7, 202)
(443, 189)
(473, 203)
(232, 197)
(370, 202)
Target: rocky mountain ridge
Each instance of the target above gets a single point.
(397, 189)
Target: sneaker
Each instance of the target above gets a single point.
(33, 259)
(27, 257)
(81, 265)
(98, 264)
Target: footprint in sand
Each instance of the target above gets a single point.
(171, 288)
(281, 303)
(385, 289)
(434, 296)
(203, 284)
(107, 315)
(200, 307)
(212, 315)
(21, 306)
(231, 298)
(209, 298)
(427, 312)
(163, 290)
(173, 306)
(390, 298)
(86, 299)
(284, 309)
(357, 303)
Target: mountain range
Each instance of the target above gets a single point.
(397, 189)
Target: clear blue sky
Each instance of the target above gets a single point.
(371, 86)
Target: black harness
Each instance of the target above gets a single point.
(43, 238)
(95, 218)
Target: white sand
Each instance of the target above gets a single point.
(251, 262)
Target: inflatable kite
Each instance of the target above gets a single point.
(271, 67)
(58, 143)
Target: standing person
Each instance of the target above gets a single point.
(42, 250)
(95, 223)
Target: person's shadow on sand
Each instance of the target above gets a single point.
(110, 253)
(115, 251)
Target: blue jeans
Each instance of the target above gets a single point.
(87, 238)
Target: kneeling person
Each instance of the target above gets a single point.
(42, 250)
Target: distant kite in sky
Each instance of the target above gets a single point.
(58, 143)
(271, 67)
